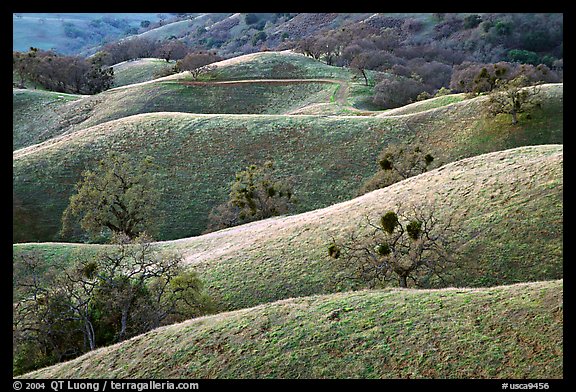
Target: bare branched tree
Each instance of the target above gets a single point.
(103, 299)
(410, 246)
(198, 63)
(45, 327)
(135, 286)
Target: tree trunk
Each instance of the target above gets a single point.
(124, 323)
(403, 282)
(90, 334)
(365, 78)
(514, 117)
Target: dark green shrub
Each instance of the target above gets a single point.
(383, 249)
(334, 251)
(414, 229)
(523, 56)
(385, 164)
(471, 21)
(251, 19)
(389, 221)
(260, 36)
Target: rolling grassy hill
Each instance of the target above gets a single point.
(140, 70)
(427, 104)
(507, 207)
(45, 107)
(327, 157)
(310, 82)
(316, 126)
(169, 96)
(286, 308)
(281, 65)
(508, 332)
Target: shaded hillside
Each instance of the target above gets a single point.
(327, 157)
(507, 332)
(198, 156)
(507, 209)
(38, 115)
(424, 105)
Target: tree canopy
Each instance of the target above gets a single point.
(116, 197)
(256, 193)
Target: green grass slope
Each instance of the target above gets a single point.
(140, 70)
(506, 208)
(327, 157)
(175, 93)
(37, 115)
(280, 65)
(198, 155)
(178, 93)
(424, 105)
(509, 332)
(170, 96)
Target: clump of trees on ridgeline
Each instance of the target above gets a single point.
(476, 78)
(187, 59)
(66, 74)
(513, 97)
(409, 63)
(79, 75)
(140, 47)
(197, 63)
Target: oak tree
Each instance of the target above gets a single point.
(256, 193)
(118, 196)
(411, 246)
(398, 162)
(513, 97)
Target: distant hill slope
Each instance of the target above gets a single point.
(507, 208)
(281, 65)
(424, 105)
(510, 332)
(328, 157)
(72, 33)
(38, 115)
(310, 82)
(140, 70)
